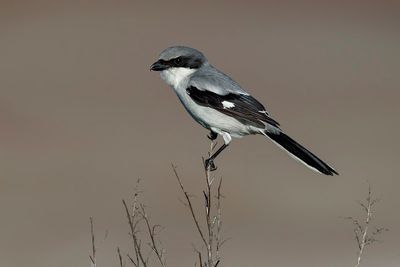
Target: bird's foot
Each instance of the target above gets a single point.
(212, 136)
(209, 165)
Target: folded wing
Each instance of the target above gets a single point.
(242, 107)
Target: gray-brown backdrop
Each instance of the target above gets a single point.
(82, 117)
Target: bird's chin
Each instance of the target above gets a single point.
(170, 77)
(174, 76)
(166, 76)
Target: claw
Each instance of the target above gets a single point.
(212, 136)
(209, 165)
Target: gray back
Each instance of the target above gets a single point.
(211, 79)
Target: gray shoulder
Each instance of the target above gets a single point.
(210, 79)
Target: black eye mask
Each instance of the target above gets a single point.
(183, 62)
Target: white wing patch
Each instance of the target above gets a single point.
(227, 104)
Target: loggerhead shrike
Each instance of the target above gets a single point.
(220, 105)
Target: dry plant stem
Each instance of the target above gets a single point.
(360, 253)
(151, 231)
(120, 258)
(137, 217)
(132, 260)
(363, 241)
(219, 222)
(140, 260)
(93, 256)
(207, 196)
(200, 259)
(210, 238)
(361, 230)
(189, 203)
(213, 221)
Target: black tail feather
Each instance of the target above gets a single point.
(300, 153)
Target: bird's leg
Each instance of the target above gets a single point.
(212, 136)
(209, 163)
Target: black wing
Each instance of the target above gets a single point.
(244, 108)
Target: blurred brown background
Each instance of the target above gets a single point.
(82, 117)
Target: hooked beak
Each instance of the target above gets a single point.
(158, 66)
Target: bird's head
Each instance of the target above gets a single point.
(178, 62)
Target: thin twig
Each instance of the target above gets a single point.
(362, 241)
(361, 229)
(211, 238)
(133, 234)
(189, 202)
(120, 258)
(133, 262)
(93, 255)
(200, 259)
(207, 196)
(151, 232)
(219, 221)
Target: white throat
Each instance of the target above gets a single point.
(174, 76)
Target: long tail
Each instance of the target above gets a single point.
(300, 153)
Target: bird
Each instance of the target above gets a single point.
(223, 107)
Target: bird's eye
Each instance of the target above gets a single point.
(178, 61)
